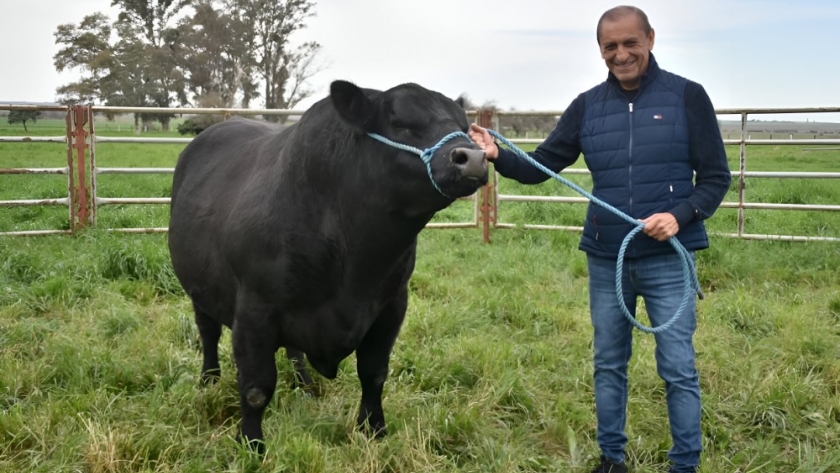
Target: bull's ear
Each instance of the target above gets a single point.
(352, 105)
(464, 102)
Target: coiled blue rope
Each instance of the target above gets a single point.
(691, 284)
(426, 154)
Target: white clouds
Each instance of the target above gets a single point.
(529, 54)
(484, 48)
(29, 45)
(540, 55)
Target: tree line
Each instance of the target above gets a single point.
(182, 53)
(23, 116)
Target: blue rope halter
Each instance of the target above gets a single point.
(426, 155)
(691, 284)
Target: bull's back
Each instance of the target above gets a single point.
(222, 154)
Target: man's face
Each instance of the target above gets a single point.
(625, 49)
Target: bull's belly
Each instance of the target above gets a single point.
(326, 334)
(317, 314)
(212, 294)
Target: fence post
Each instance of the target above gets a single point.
(488, 193)
(742, 180)
(92, 165)
(71, 180)
(79, 145)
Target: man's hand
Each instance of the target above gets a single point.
(661, 226)
(484, 141)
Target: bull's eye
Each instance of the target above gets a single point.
(407, 124)
(408, 128)
(403, 130)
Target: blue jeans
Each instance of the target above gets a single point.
(659, 280)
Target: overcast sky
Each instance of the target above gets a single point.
(523, 54)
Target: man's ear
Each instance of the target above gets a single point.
(352, 104)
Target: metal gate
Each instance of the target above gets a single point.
(75, 144)
(82, 171)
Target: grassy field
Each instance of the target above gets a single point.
(492, 372)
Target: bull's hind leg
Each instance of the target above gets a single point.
(302, 378)
(210, 331)
(372, 357)
(254, 345)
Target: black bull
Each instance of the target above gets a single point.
(305, 237)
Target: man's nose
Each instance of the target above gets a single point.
(621, 54)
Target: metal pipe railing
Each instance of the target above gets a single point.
(78, 140)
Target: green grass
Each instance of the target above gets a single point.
(99, 361)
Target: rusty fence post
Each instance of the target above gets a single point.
(488, 192)
(78, 146)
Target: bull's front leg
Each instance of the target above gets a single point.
(372, 357)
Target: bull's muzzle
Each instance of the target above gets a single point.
(470, 162)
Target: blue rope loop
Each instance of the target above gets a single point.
(426, 155)
(691, 284)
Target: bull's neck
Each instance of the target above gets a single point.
(377, 242)
(387, 233)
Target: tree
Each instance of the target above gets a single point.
(23, 116)
(128, 82)
(87, 48)
(131, 62)
(198, 123)
(522, 124)
(266, 26)
(216, 60)
(300, 67)
(157, 54)
(153, 18)
(148, 26)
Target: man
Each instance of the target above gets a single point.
(643, 132)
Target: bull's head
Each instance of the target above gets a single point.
(414, 121)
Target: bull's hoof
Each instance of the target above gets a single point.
(210, 377)
(308, 389)
(325, 369)
(378, 431)
(252, 445)
(303, 382)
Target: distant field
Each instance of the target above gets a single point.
(122, 125)
(99, 360)
(783, 129)
(759, 158)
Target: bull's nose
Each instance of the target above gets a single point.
(470, 162)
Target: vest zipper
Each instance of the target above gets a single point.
(630, 161)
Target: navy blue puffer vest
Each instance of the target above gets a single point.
(639, 158)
